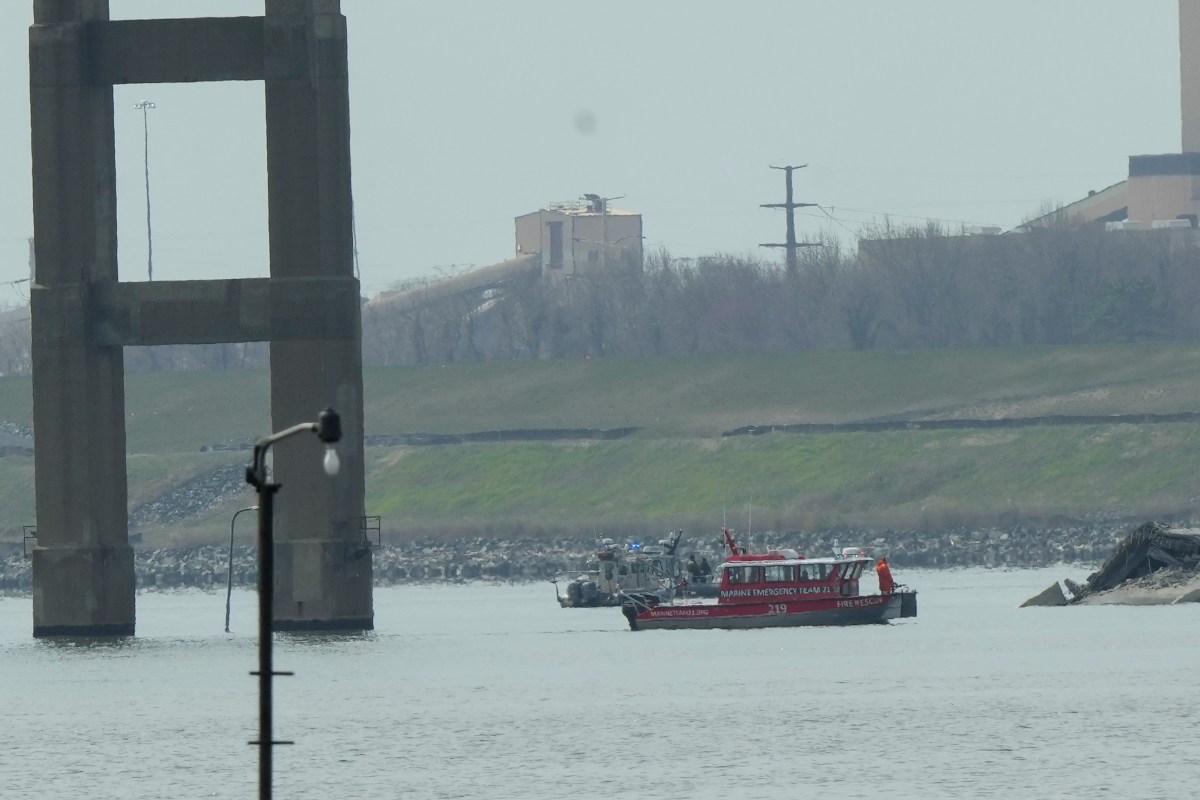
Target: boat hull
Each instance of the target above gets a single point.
(864, 610)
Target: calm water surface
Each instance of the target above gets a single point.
(495, 692)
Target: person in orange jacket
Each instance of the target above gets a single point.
(886, 584)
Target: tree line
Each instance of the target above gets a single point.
(901, 289)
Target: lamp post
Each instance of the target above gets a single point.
(229, 585)
(328, 429)
(145, 107)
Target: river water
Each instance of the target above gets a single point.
(484, 691)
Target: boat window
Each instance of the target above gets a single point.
(818, 572)
(740, 574)
(624, 570)
(778, 573)
(608, 572)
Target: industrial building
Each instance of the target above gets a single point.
(568, 239)
(575, 238)
(1162, 191)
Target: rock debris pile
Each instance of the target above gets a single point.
(1154, 565)
(195, 497)
(15, 439)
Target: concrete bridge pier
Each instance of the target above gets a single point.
(323, 563)
(83, 315)
(83, 578)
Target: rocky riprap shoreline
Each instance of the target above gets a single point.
(534, 559)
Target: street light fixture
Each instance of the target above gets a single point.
(145, 107)
(229, 586)
(328, 429)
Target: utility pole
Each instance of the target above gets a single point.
(145, 107)
(791, 245)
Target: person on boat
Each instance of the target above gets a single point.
(886, 583)
(705, 569)
(692, 567)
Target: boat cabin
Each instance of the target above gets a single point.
(787, 575)
(634, 567)
(613, 569)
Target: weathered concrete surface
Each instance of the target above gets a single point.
(1052, 595)
(1167, 588)
(1154, 565)
(83, 567)
(82, 315)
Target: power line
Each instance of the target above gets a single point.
(906, 216)
(791, 245)
(837, 221)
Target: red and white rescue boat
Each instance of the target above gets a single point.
(779, 588)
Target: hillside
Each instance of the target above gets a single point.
(677, 469)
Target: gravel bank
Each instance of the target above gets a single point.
(538, 559)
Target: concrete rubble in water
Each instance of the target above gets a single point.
(1154, 565)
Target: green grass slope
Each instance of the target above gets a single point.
(705, 396)
(678, 469)
(908, 479)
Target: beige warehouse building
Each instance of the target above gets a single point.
(576, 238)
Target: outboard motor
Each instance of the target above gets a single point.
(574, 594)
(591, 593)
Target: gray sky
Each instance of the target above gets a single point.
(466, 113)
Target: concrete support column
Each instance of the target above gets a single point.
(83, 576)
(323, 564)
(1189, 73)
(82, 316)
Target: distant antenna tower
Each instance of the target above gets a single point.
(791, 244)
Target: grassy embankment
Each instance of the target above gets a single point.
(678, 470)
